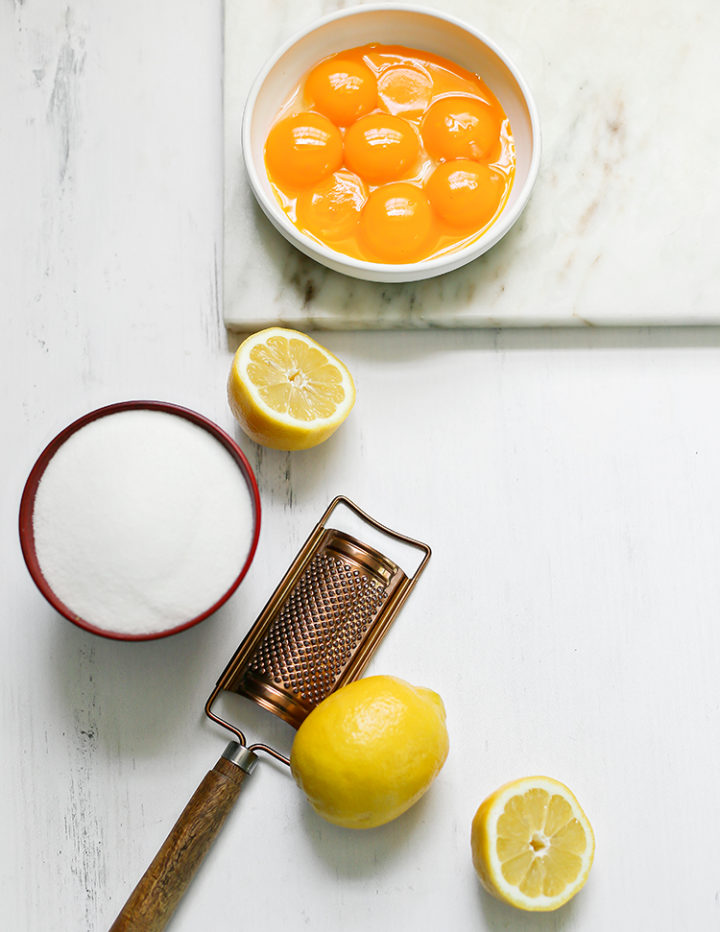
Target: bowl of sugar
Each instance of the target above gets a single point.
(139, 520)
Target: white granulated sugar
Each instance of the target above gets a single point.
(142, 521)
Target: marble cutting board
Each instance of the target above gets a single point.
(622, 225)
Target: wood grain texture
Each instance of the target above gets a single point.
(153, 901)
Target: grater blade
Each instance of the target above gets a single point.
(322, 624)
(313, 640)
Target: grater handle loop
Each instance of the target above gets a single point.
(221, 721)
(271, 751)
(364, 516)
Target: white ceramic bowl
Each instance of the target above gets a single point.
(422, 29)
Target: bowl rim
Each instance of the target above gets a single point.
(27, 506)
(425, 268)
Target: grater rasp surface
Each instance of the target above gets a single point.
(320, 631)
(322, 624)
(318, 628)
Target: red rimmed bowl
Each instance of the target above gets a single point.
(27, 508)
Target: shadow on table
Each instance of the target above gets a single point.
(131, 699)
(286, 477)
(356, 854)
(499, 916)
(405, 347)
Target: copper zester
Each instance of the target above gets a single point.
(316, 633)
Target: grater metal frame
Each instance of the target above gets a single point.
(282, 702)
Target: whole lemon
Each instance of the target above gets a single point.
(370, 750)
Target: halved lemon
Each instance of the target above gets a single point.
(532, 845)
(287, 391)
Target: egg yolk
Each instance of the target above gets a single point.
(331, 210)
(465, 193)
(381, 147)
(390, 154)
(341, 89)
(397, 223)
(405, 89)
(461, 128)
(303, 149)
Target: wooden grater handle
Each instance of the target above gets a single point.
(153, 901)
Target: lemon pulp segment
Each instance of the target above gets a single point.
(295, 379)
(532, 844)
(539, 843)
(287, 391)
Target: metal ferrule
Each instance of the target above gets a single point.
(241, 756)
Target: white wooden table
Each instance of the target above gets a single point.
(567, 481)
